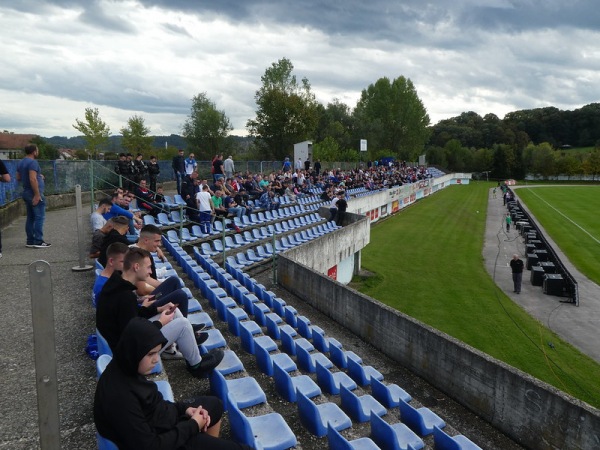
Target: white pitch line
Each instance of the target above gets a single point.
(566, 217)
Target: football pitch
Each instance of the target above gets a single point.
(568, 214)
(427, 262)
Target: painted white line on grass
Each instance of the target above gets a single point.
(566, 217)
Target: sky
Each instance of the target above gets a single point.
(150, 57)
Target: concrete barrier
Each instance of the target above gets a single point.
(531, 412)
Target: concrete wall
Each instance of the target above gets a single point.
(533, 413)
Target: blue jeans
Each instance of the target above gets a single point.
(34, 225)
(205, 222)
(171, 291)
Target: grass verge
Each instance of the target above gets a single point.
(568, 216)
(428, 264)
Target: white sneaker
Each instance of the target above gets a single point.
(171, 353)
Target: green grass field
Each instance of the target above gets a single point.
(428, 263)
(568, 214)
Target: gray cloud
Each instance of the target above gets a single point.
(153, 57)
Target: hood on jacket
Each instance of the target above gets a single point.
(138, 338)
(116, 283)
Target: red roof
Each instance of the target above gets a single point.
(9, 141)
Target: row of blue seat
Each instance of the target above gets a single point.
(269, 431)
(361, 408)
(229, 310)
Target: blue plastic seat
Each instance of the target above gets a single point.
(390, 395)
(303, 325)
(287, 386)
(265, 360)
(286, 335)
(243, 260)
(244, 391)
(101, 364)
(269, 432)
(340, 357)
(272, 321)
(230, 244)
(197, 232)
(234, 317)
(331, 382)
(172, 236)
(362, 374)
(291, 315)
(202, 317)
(230, 363)
(361, 407)
(215, 340)
(103, 347)
(252, 256)
(207, 250)
(321, 342)
(420, 420)
(105, 444)
(249, 343)
(259, 310)
(308, 360)
(186, 236)
(458, 442)
(165, 389)
(316, 418)
(222, 304)
(394, 437)
(338, 442)
(149, 220)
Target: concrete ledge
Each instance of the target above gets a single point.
(531, 412)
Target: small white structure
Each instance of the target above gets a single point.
(304, 151)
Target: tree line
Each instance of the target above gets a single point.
(392, 118)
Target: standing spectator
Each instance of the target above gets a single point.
(189, 188)
(30, 174)
(4, 178)
(508, 221)
(229, 167)
(190, 164)
(178, 165)
(333, 210)
(318, 167)
(140, 170)
(218, 168)
(206, 208)
(342, 205)
(153, 172)
(516, 265)
(129, 173)
(307, 164)
(287, 165)
(122, 168)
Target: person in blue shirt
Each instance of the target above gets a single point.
(30, 174)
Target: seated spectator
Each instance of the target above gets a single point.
(120, 207)
(145, 199)
(115, 254)
(169, 290)
(233, 208)
(290, 192)
(130, 411)
(117, 234)
(241, 198)
(97, 219)
(267, 201)
(97, 239)
(217, 200)
(117, 304)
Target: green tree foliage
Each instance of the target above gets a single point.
(47, 151)
(94, 130)
(287, 111)
(336, 121)
(390, 115)
(206, 128)
(136, 136)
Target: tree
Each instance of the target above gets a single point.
(206, 128)
(543, 160)
(286, 114)
(94, 130)
(390, 115)
(47, 151)
(136, 137)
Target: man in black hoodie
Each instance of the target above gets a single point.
(130, 411)
(117, 304)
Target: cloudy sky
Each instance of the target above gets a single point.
(151, 57)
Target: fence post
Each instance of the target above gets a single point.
(81, 244)
(92, 198)
(42, 315)
(274, 260)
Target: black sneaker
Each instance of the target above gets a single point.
(197, 327)
(42, 245)
(201, 338)
(209, 361)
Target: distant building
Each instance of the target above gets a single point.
(13, 144)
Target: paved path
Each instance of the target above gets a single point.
(578, 325)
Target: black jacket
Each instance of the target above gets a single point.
(116, 306)
(112, 236)
(128, 409)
